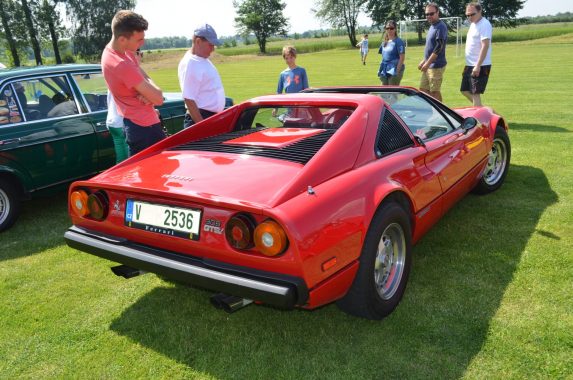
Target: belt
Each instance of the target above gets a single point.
(204, 113)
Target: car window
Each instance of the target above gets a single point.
(293, 117)
(10, 112)
(45, 97)
(423, 119)
(93, 89)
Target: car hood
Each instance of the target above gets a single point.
(214, 178)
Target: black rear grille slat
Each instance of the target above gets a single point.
(301, 151)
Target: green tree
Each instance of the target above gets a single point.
(264, 18)
(7, 13)
(341, 14)
(382, 11)
(32, 33)
(91, 24)
(500, 12)
(15, 31)
(50, 25)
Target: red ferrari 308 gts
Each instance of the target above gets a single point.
(294, 200)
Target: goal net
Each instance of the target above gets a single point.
(414, 31)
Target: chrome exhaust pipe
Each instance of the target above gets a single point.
(229, 303)
(126, 272)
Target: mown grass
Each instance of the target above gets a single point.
(489, 294)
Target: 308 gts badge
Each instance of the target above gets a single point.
(213, 225)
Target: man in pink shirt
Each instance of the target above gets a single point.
(134, 92)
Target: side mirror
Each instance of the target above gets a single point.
(469, 123)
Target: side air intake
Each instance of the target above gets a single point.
(392, 136)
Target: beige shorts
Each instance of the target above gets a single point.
(432, 79)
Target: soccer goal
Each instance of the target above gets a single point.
(417, 29)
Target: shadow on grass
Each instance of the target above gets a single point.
(41, 225)
(460, 273)
(537, 128)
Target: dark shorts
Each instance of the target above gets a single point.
(188, 121)
(139, 138)
(475, 85)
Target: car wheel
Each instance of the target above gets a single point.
(9, 204)
(384, 265)
(497, 164)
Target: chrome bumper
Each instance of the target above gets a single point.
(274, 289)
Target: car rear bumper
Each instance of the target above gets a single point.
(271, 288)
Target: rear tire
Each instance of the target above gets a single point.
(497, 164)
(9, 204)
(384, 265)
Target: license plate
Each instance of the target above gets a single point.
(163, 219)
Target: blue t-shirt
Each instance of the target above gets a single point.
(438, 31)
(292, 81)
(391, 56)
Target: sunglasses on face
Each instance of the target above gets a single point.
(430, 14)
(471, 15)
(390, 28)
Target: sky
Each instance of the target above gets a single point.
(179, 17)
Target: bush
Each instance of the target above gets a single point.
(68, 58)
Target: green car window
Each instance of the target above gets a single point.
(93, 89)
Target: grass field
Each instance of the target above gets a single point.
(490, 293)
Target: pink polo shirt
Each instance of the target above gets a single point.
(122, 74)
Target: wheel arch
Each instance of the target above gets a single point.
(14, 178)
(402, 198)
(496, 121)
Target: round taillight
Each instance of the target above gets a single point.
(97, 205)
(270, 238)
(79, 202)
(239, 231)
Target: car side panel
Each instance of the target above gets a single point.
(453, 156)
(54, 151)
(172, 113)
(105, 148)
(94, 104)
(334, 220)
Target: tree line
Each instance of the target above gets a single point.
(265, 18)
(31, 24)
(559, 17)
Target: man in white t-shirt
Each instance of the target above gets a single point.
(199, 79)
(478, 55)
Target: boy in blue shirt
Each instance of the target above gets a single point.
(293, 78)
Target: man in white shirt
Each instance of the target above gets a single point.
(478, 55)
(199, 79)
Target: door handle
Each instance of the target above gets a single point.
(9, 141)
(454, 154)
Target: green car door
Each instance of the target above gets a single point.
(53, 140)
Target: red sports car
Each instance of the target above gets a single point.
(294, 200)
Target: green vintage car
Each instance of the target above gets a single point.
(53, 130)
